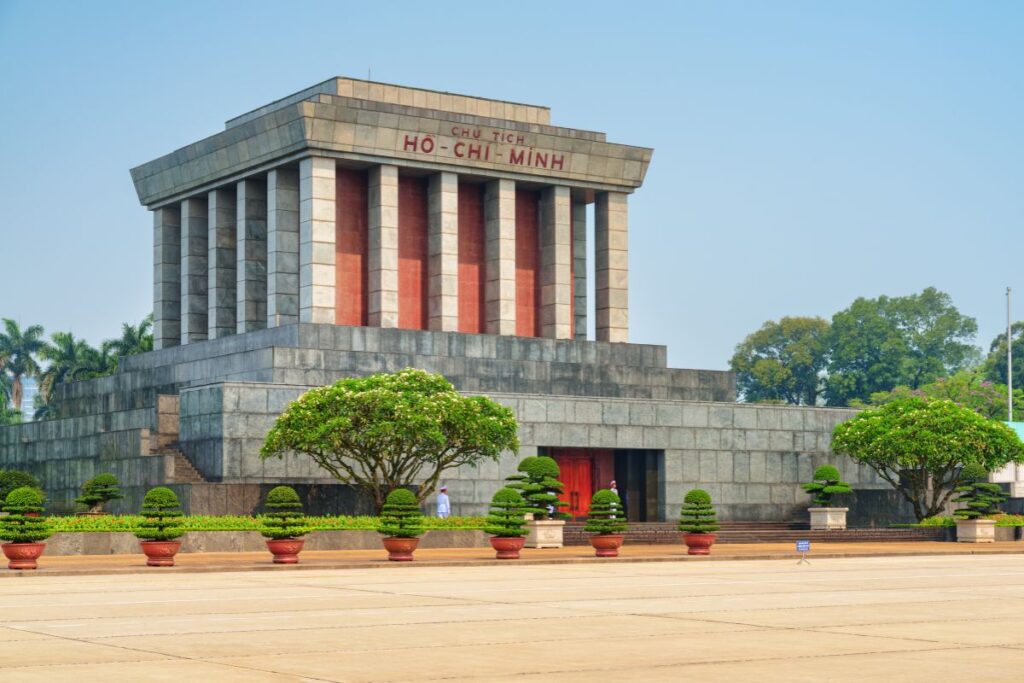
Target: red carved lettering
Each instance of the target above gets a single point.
(411, 143)
(542, 159)
(520, 140)
(557, 161)
(457, 150)
(427, 146)
(474, 152)
(455, 131)
(515, 157)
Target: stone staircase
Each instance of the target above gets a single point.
(762, 532)
(184, 472)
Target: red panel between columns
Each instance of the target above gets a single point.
(412, 252)
(527, 263)
(350, 251)
(472, 240)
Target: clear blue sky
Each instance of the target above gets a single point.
(806, 153)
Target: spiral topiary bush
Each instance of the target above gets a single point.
(698, 514)
(21, 525)
(100, 490)
(826, 483)
(162, 513)
(538, 482)
(284, 516)
(607, 515)
(401, 516)
(980, 497)
(506, 517)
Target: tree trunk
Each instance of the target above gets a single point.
(17, 392)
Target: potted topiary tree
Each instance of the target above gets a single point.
(980, 499)
(99, 491)
(538, 481)
(826, 483)
(606, 521)
(697, 522)
(506, 523)
(160, 529)
(401, 522)
(282, 524)
(23, 528)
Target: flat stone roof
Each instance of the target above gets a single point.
(370, 123)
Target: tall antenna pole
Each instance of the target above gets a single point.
(1009, 358)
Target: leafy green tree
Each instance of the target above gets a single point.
(878, 344)
(134, 339)
(537, 479)
(389, 431)
(783, 361)
(967, 388)
(71, 360)
(18, 350)
(920, 445)
(9, 416)
(826, 483)
(978, 497)
(99, 491)
(16, 479)
(400, 515)
(995, 363)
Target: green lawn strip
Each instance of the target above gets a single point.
(129, 523)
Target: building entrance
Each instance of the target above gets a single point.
(586, 470)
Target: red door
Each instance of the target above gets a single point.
(577, 475)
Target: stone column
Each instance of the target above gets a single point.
(611, 226)
(316, 240)
(167, 277)
(579, 269)
(194, 276)
(443, 246)
(282, 247)
(251, 227)
(383, 246)
(556, 303)
(500, 257)
(221, 255)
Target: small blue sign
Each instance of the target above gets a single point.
(803, 546)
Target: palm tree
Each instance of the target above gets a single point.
(18, 349)
(134, 338)
(5, 387)
(70, 360)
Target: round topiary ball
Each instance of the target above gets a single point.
(697, 497)
(160, 497)
(507, 495)
(540, 467)
(401, 497)
(827, 473)
(24, 496)
(606, 497)
(973, 472)
(105, 479)
(283, 495)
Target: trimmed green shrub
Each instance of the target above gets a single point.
(506, 518)
(698, 514)
(18, 526)
(538, 482)
(15, 479)
(981, 497)
(99, 491)
(162, 516)
(607, 515)
(401, 516)
(826, 483)
(284, 517)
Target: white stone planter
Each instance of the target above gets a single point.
(544, 533)
(976, 531)
(824, 519)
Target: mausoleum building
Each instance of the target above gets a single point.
(357, 227)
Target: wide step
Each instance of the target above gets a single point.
(762, 532)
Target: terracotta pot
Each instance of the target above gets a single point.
(400, 549)
(160, 553)
(698, 544)
(507, 548)
(22, 555)
(606, 545)
(285, 550)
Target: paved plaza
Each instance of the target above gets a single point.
(925, 618)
